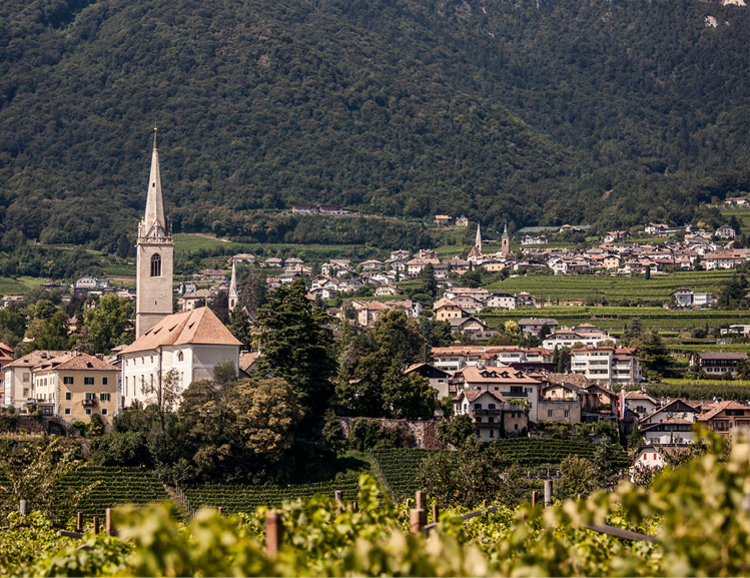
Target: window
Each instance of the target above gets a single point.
(567, 413)
(104, 411)
(68, 396)
(492, 433)
(491, 406)
(156, 265)
(477, 406)
(25, 377)
(549, 413)
(88, 381)
(105, 380)
(180, 356)
(515, 427)
(90, 395)
(104, 396)
(67, 411)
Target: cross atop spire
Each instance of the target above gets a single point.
(154, 224)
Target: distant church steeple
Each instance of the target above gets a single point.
(233, 295)
(154, 257)
(505, 241)
(475, 255)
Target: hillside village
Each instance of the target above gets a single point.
(507, 381)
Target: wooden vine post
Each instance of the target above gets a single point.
(274, 533)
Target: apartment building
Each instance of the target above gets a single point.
(607, 365)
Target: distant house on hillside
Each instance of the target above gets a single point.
(304, 209)
(718, 362)
(443, 220)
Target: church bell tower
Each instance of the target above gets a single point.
(154, 257)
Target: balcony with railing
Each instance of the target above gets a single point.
(486, 412)
(88, 402)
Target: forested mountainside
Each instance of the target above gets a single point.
(534, 111)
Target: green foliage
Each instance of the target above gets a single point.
(371, 380)
(518, 75)
(456, 430)
(239, 325)
(33, 471)
(226, 433)
(577, 477)
(694, 512)
(297, 344)
(110, 323)
(366, 434)
(107, 487)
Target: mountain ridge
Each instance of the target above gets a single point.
(498, 110)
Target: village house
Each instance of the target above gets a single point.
(304, 209)
(472, 327)
(492, 415)
(726, 232)
(458, 265)
(387, 291)
(443, 220)
(531, 240)
(510, 383)
(76, 386)
(584, 335)
(727, 418)
(437, 378)
(534, 326)
(274, 262)
(718, 362)
(654, 456)
(524, 299)
(724, 259)
(613, 236)
(371, 265)
(501, 300)
(243, 259)
(445, 310)
(18, 382)
(669, 424)
(468, 303)
(332, 210)
(639, 402)
(685, 297)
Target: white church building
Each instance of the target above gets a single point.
(187, 346)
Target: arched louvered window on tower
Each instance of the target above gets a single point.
(156, 265)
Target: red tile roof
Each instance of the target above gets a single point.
(197, 327)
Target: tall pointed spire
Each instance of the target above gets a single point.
(154, 223)
(478, 241)
(505, 229)
(233, 295)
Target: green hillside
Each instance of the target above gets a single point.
(536, 112)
